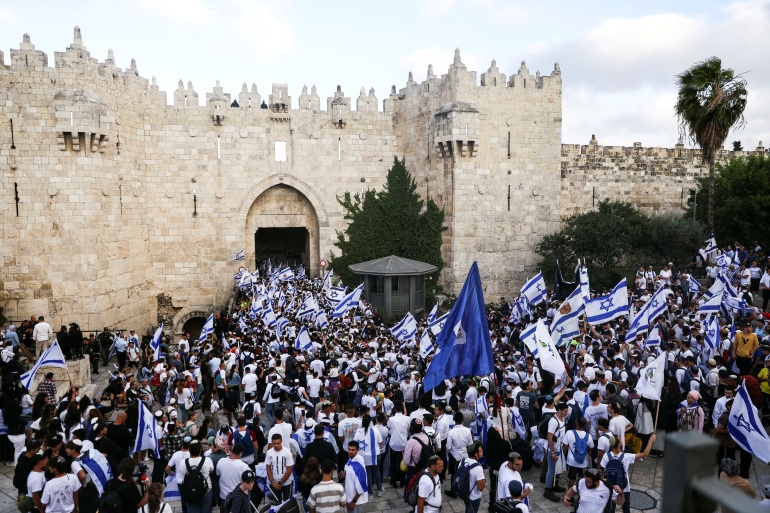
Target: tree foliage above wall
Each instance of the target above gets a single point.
(393, 221)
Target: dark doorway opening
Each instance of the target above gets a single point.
(194, 326)
(289, 246)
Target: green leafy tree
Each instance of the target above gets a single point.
(742, 200)
(618, 235)
(710, 102)
(393, 221)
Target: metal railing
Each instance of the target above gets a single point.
(689, 484)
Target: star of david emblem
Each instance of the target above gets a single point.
(744, 424)
(333, 293)
(559, 330)
(711, 333)
(362, 445)
(606, 304)
(309, 436)
(655, 303)
(539, 287)
(402, 333)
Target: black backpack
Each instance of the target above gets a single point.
(275, 391)
(426, 451)
(294, 395)
(248, 410)
(194, 485)
(542, 427)
(440, 388)
(110, 501)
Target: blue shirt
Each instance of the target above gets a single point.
(120, 345)
(13, 337)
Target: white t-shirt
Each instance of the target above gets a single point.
(593, 499)
(177, 461)
(249, 383)
(430, 489)
(557, 428)
(476, 475)
(570, 442)
(370, 402)
(314, 387)
(35, 482)
(627, 460)
(505, 476)
(58, 494)
(229, 472)
(206, 469)
(618, 427)
(278, 461)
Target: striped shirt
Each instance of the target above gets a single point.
(327, 497)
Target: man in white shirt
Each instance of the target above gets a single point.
(618, 423)
(398, 425)
(229, 471)
(407, 387)
(279, 464)
(249, 383)
(594, 495)
(206, 467)
(476, 476)
(577, 461)
(457, 442)
(41, 334)
(510, 471)
(356, 491)
(429, 487)
(314, 386)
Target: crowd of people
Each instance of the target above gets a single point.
(278, 402)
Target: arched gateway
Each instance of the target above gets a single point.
(282, 218)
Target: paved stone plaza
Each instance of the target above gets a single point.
(646, 481)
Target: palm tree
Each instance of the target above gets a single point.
(710, 102)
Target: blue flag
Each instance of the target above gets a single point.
(348, 302)
(694, 285)
(155, 342)
(465, 345)
(534, 290)
(146, 436)
(745, 426)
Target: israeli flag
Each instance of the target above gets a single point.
(611, 306)
(303, 342)
(711, 245)
(534, 290)
(426, 345)
(208, 328)
(723, 261)
(348, 302)
(300, 273)
(335, 294)
(290, 306)
(653, 339)
(269, 317)
(97, 468)
(113, 347)
(171, 493)
(433, 313)
(585, 286)
(566, 322)
(658, 303)
(308, 309)
(745, 426)
(155, 342)
(238, 276)
(225, 345)
(52, 357)
(245, 282)
(518, 422)
(327, 283)
(540, 344)
(240, 255)
(405, 329)
(736, 303)
(280, 324)
(481, 404)
(356, 467)
(438, 324)
(640, 323)
(286, 274)
(711, 306)
(242, 324)
(146, 435)
(711, 335)
(321, 321)
(694, 285)
(281, 299)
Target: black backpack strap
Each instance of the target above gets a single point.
(187, 464)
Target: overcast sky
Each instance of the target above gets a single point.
(618, 59)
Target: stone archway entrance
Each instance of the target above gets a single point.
(283, 225)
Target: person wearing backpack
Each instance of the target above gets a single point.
(578, 445)
(419, 448)
(615, 464)
(195, 474)
(469, 481)
(690, 415)
(553, 453)
(121, 494)
(429, 487)
(594, 493)
(239, 500)
(247, 438)
(272, 397)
